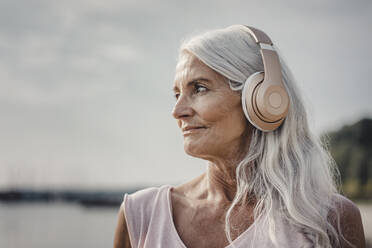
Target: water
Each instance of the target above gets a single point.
(57, 225)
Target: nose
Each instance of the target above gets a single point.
(182, 108)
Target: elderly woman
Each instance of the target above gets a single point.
(269, 180)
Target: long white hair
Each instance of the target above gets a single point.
(289, 171)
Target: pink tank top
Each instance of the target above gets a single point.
(150, 224)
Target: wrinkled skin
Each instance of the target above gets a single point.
(205, 100)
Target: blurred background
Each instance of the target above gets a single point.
(86, 99)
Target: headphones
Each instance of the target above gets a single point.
(265, 100)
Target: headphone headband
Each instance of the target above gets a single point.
(259, 36)
(266, 103)
(272, 68)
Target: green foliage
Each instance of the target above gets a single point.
(351, 148)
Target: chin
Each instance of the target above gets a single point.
(195, 150)
(190, 150)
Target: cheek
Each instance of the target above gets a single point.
(226, 123)
(224, 132)
(214, 111)
(224, 113)
(230, 127)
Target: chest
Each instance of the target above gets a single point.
(204, 226)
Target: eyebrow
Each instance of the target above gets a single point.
(175, 88)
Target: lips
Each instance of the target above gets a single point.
(187, 128)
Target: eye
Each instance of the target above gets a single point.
(200, 88)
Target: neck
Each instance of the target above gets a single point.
(220, 177)
(221, 181)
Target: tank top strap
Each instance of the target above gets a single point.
(139, 209)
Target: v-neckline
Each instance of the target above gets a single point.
(170, 212)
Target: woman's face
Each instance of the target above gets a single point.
(206, 104)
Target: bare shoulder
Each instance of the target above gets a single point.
(350, 221)
(121, 239)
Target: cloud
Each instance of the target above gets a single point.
(86, 96)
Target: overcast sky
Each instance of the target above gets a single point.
(85, 86)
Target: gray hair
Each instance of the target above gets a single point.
(289, 170)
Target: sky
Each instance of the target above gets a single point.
(86, 85)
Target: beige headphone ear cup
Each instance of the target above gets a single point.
(249, 104)
(271, 102)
